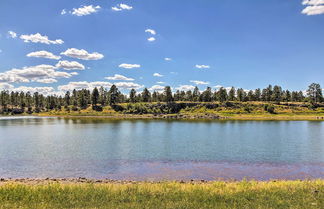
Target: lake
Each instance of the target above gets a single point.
(160, 149)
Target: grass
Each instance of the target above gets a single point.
(239, 111)
(245, 194)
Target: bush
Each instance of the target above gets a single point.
(97, 108)
(74, 108)
(270, 109)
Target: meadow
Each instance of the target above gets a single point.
(244, 194)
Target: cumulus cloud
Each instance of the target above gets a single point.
(314, 7)
(47, 80)
(151, 31)
(12, 34)
(91, 85)
(313, 10)
(128, 85)
(121, 7)
(313, 2)
(202, 66)
(32, 74)
(129, 66)
(82, 54)
(199, 82)
(157, 88)
(218, 86)
(44, 54)
(5, 86)
(151, 39)
(168, 59)
(67, 65)
(38, 38)
(185, 88)
(117, 77)
(160, 82)
(157, 75)
(83, 85)
(42, 90)
(74, 73)
(85, 10)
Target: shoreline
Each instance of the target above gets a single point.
(83, 180)
(243, 194)
(196, 117)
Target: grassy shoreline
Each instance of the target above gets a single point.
(252, 117)
(193, 111)
(216, 194)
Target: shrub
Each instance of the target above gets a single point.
(269, 108)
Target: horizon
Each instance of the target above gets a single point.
(85, 44)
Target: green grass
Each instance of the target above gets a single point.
(245, 194)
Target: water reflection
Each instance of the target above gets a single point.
(71, 147)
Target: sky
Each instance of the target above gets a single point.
(56, 46)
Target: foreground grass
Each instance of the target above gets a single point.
(280, 194)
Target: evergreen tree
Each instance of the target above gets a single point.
(231, 94)
(146, 95)
(314, 93)
(132, 96)
(95, 97)
(113, 95)
(168, 94)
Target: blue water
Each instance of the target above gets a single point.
(99, 148)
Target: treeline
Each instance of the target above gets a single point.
(18, 102)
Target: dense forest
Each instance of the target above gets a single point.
(20, 102)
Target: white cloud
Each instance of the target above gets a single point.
(42, 90)
(151, 39)
(313, 10)
(157, 75)
(185, 88)
(83, 85)
(63, 12)
(47, 80)
(82, 54)
(218, 86)
(199, 82)
(12, 34)
(117, 77)
(85, 10)
(67, 65)
(157, 88)
(44, 54)
(91, 85)
(121, 7)
(167, 59)
(5, 86)
(128, 85)
(151, 31)
(313, 2)
(129, 66)
(32, 74)
(38, 38)
(202, 66)
(74, 73)
(160, 82)
(314, 7)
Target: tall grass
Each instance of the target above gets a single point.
(245, 194)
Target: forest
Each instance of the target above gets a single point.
(25, 102)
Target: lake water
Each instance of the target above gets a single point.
(160, 149)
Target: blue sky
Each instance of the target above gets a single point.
(87, 43)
